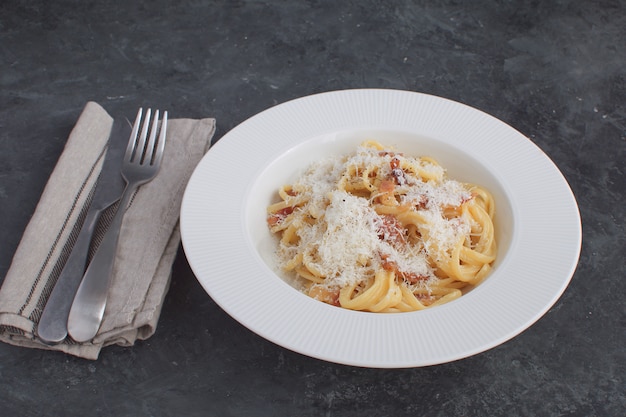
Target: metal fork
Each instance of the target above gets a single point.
(141, 163)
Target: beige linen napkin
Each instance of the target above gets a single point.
(149, 238)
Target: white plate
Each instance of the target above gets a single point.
(230, 250)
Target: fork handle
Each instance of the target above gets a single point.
(52, 327)
(87, 310)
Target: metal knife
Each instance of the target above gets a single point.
(52, 327)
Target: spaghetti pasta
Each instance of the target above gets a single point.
(380, 231)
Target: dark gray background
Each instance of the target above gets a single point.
(553, 70)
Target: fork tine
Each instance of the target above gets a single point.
(148, 155)
(132, 141)
(158, 152)
(141, 140)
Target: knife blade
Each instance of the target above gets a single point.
(52, 326)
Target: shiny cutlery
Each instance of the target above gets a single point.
(140, 165)
(52, 326)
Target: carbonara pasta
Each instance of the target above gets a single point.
(380, 231)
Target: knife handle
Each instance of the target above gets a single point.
(52, 327)
(87, 309)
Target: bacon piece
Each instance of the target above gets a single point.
(392, 266)
(425, 299)
(387, 186)
(397, 172)
(387, 197)
(324, 294)
(413, 278)
(278, 217)
(387, 264)
(421, 202)
(390, 230)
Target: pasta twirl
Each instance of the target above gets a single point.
(383, 232)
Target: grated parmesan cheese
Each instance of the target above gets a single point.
(350, 238)
(345, 241)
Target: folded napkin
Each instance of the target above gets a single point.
(148, 243)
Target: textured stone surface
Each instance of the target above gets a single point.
(553, 70)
